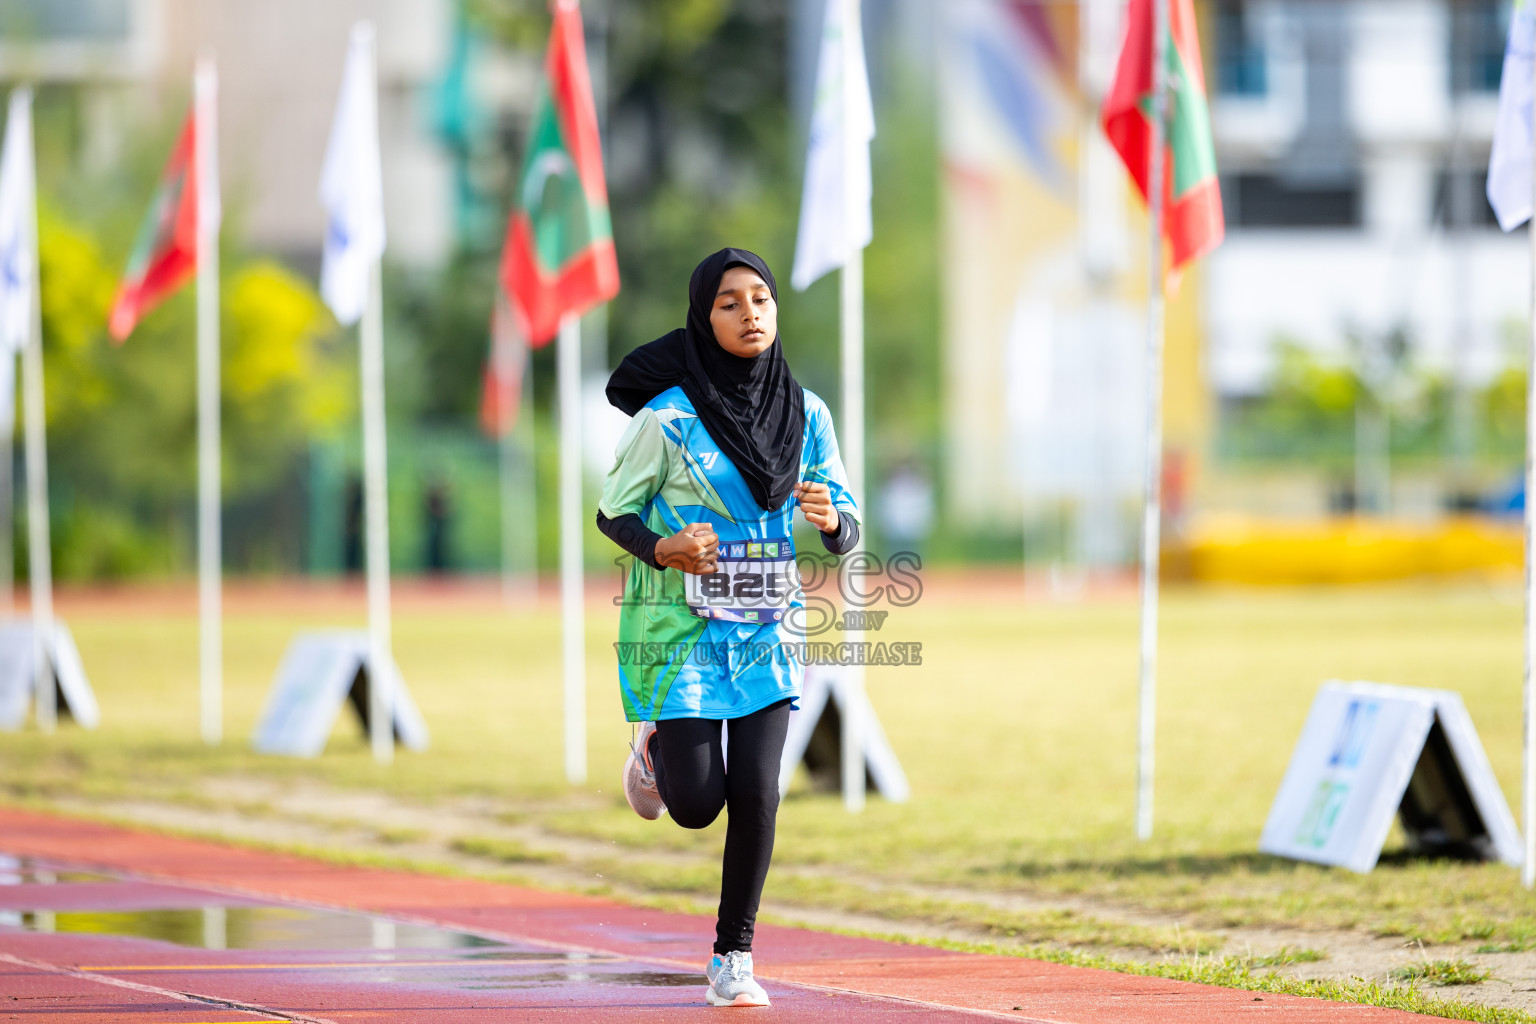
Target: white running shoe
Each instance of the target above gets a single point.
(640, 777)
(731, 982)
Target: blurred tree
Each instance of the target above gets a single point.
(441, 332)
(1309, 410)
(1307, 414)
(1503, 403)
(902, 279)
(122, 420)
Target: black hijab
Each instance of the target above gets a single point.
(752, 407)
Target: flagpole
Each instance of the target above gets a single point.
(853, 461)
(519, 507)
(852, 301)
(376, 511)
(572, 611)
(209, 472)
(8, 491)
(1151, 523)
(1528, 790)
(39, 558)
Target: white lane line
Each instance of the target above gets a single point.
(164, 993)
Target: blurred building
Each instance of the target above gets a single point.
(1353, 138)
(280, 64)
(1045, 285)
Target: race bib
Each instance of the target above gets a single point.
(754, 581)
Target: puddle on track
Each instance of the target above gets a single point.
(277, 927)
(469, 962)
(244, 926)
(27, 871)
(248, 927)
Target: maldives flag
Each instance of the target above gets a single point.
(1193, 222)
(165, 253)
(559, 257)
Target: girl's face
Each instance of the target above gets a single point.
(745, 316)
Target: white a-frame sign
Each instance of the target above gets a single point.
(1369, 753)
(20, 675)
(320, 673)
(816, 734)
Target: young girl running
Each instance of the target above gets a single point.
(724, 445)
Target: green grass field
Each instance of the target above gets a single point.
(1016, 733)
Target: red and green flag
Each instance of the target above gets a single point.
(1193, 222)
(559, 258)
(165, 253)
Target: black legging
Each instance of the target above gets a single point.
(691, 775)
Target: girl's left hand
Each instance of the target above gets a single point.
(816, 502)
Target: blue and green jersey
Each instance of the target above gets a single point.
(674, 663)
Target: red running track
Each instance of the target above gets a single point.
(99, 923)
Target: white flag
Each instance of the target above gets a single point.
(18, 226)
(827, 236)
(352, 186)
(1510, 168)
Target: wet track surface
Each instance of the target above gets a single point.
(104, 924)
(70, 934)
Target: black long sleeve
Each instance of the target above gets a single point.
(847, 535)
(631, 534)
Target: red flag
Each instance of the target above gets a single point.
(165, 253)
(502, 381)
(559, 258)
(1193, 222)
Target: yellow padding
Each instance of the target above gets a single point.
(1349, 550)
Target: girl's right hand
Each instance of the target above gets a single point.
(693, 549)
